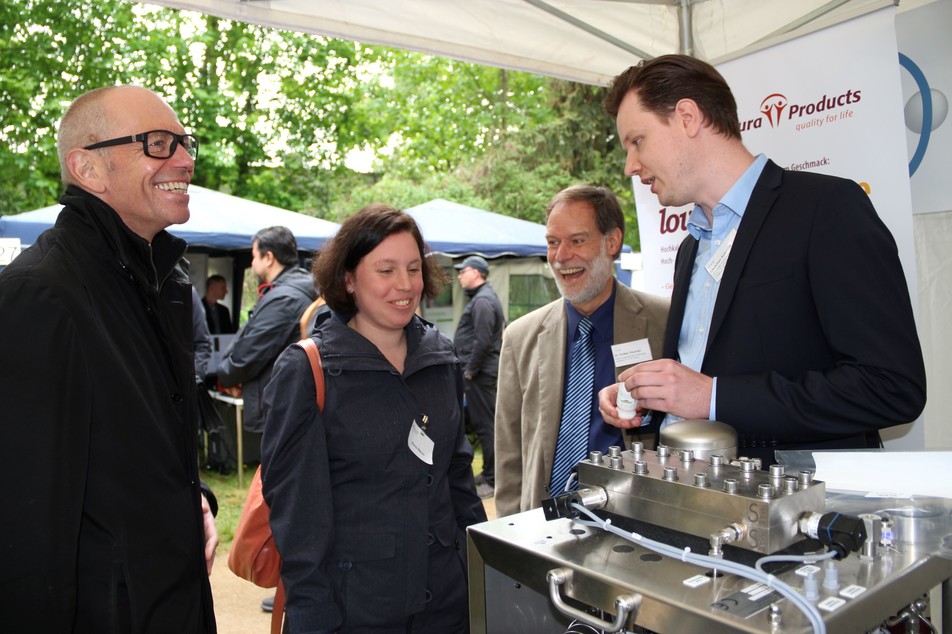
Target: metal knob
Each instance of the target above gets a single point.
(641, 467)
(595, 457)
(671, 474)
(687, 456)
(716, 460)
(806, 478)
(637, 448)
(663, 451)
(730, 485)
(614, 451)
(701, 480)
(790, 484)
(765, 491)
(617, 462)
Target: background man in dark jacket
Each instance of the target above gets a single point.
(217, 315)
(477, 340)
(105, 527)
(286, 290)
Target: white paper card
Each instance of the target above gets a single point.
(420, 444)
(718, 261)
(9, 249)
(631, 352)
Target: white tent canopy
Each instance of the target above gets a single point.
(588, 41)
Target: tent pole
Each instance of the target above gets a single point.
(685, 27)
(588, 28)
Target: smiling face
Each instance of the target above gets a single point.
(387, 285)
(656, 151)
(149, 194)
(580, 256)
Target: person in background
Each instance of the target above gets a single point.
(285, 292)
(217, 315)
(585, 231)
(370, 498)
(790, 316)
(477, 341)
(106, 526)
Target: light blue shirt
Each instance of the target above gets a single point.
(702, 292)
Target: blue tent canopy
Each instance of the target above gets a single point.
(458, 230)
(218, 223)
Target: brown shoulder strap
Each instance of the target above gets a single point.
(314, 356)
(305, 320)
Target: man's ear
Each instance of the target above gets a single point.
(87, 170)
(688, 116)
(613, 243)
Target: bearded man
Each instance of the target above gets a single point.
(585, 231)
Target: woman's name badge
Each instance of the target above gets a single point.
(420, 444)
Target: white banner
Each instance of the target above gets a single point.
(828, 102)
(923, 36)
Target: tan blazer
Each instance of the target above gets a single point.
(529, 396)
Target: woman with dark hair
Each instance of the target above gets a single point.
(370, 498)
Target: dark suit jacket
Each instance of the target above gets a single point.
(223, 318)
(812, 337)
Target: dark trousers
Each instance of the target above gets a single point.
(481, 410)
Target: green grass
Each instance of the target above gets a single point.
(231, 498)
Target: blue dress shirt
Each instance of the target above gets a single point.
(702, 293)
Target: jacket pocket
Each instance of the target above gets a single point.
(371, 589)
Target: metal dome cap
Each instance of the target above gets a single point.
(705, 438)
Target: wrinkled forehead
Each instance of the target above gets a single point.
(572, 217)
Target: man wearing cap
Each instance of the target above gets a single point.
(477, 341)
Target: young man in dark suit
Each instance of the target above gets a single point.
(790, 317)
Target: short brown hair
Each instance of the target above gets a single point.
(662, 82)
(359, 235)
(608, 214)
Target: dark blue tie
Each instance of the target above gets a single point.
(572, 444)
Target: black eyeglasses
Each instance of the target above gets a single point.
(157, 144)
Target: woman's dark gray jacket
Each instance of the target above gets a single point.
(102, 505)
(356, 515)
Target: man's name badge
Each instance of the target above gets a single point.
(719, 260)
(420, 444)
(631, 352)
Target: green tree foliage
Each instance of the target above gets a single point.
(252, 95)
(278, 112)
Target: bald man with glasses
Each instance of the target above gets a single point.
(106, 526)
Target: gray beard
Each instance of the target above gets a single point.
(599, 274)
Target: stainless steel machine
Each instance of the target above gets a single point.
(689, 539)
